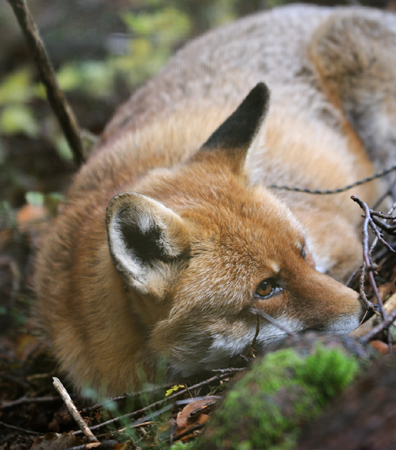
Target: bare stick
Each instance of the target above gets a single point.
(273, 321)
(55, 96)
(73, 410)
(368, 264)
(253, 343)
(364, 328)
(229, 370)
(127, 396)
(384, 325)
(23, 400)
(190, 430)
(160, 402)
(13, 427)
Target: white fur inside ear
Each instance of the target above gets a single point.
(144, 222)
(257, 147)
(145, 237)
(126, 260)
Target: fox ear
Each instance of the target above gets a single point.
(147, 241)
(234, 137)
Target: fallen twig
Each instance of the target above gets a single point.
(372, 219)
(250, 350)
(368, 266)
(24, 400)
(147, 419)
(366, 327)
(156, 404)
(229, 370)
(384, 325)
(73, 410)
(273, 321)
(13, 427)
(187, 432)
(14, 380)
(127, 396)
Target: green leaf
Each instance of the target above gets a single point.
(16, 87)
(168, 24)
(18, 119)
(35, 198)
(174, 389)
(69, 77)
(63, 149)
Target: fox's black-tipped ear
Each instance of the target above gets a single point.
(234, 136)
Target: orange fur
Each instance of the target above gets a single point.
(161, 247)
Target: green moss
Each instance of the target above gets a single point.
(268, 406)
(331, 370)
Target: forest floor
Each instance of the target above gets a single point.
(35, 171)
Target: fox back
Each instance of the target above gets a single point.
(171, 236)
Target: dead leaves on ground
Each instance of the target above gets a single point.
(193, 414)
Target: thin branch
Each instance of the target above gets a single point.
(73, 410)
(273, 321)
(229, 370)
(147, 418)
(127, 396)
(58, 102)
(187, 432)
(160, 402)
(368, 265)
(379, 235)
(384, 325)
(253, 343)
(24, 400)
(13, 427)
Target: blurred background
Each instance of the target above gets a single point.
(102, 51)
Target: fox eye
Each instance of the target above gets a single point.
(266, 288)
(303, 253)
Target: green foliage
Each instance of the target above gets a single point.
(276, 3)
(16, 115)
(16, 87)
(18, 119)
(174, 389)
(329, 370)
(7, 215)
(154, 36)
(182, 446)
(267, 407)
(95, 78)
(63, 148)
(166, 25)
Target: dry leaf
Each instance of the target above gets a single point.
(186, 420)
(29, 213)
(380, 346)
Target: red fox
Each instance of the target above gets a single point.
(170, 234)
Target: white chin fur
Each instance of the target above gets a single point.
(225, 346)
(344, 325)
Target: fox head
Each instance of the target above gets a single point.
(198, 247)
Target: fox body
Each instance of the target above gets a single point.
(170, 235)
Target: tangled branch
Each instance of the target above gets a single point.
(379, 223)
